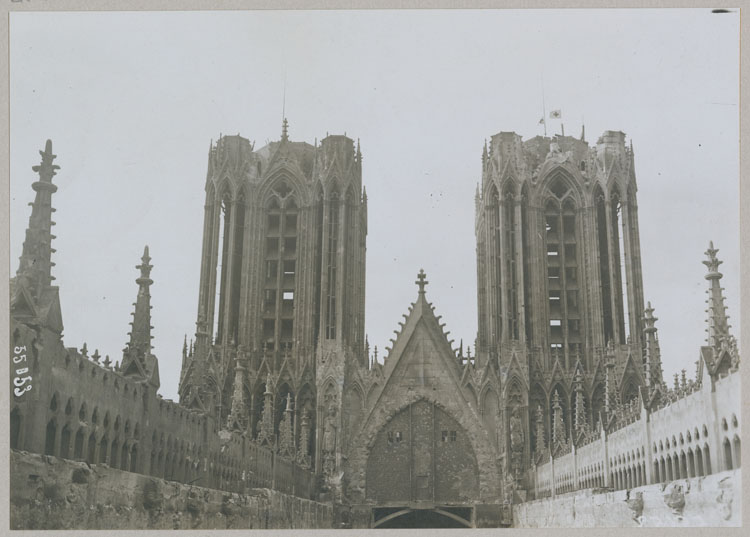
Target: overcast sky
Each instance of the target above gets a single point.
(132, 100)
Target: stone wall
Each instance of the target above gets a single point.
(51, 493)
(714, 500)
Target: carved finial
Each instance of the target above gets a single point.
(421, 281)
(46, 169)
(145, 267)
(649, 318)
(96, 355)
(712, 262)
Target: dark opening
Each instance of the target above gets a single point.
(420, 518)
(49, 442)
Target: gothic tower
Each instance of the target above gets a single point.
(281, 296)
(560, 288)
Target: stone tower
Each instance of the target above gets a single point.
(560, 292)
(281, 296)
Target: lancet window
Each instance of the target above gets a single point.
(280, 273)
(563, 282)
(332, 263)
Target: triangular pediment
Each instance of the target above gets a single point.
(422, 361)
(134, 369)
(630, 369)
(21, 304)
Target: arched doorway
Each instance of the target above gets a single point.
(392, 518)
(422, 454)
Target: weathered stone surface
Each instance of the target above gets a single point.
(52, 493)
(699, 502)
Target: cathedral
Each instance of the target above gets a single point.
(279, 387)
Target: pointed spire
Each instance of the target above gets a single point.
(303, 458)
(286, 432)
(718, 326)
(583, 132)
(484, 154)
(609, 380)
(236, 419)
(558, 425)
(265, 427)
(652, 365)
(285, 131)
(35, 266)
(138, 348)
(580, 410)
(540, 446)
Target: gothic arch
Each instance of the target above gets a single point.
(446, 470)
(225, 188)
(479, 440)
(559, 175)
(332, 189)
(491, 194)
(514, 392)
(629, 389)
(509, 186)
(282, 184)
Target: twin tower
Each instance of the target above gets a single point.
(281, 312)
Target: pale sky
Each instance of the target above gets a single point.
(132, 100)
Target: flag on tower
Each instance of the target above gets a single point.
(555, 114)
(541, 121)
